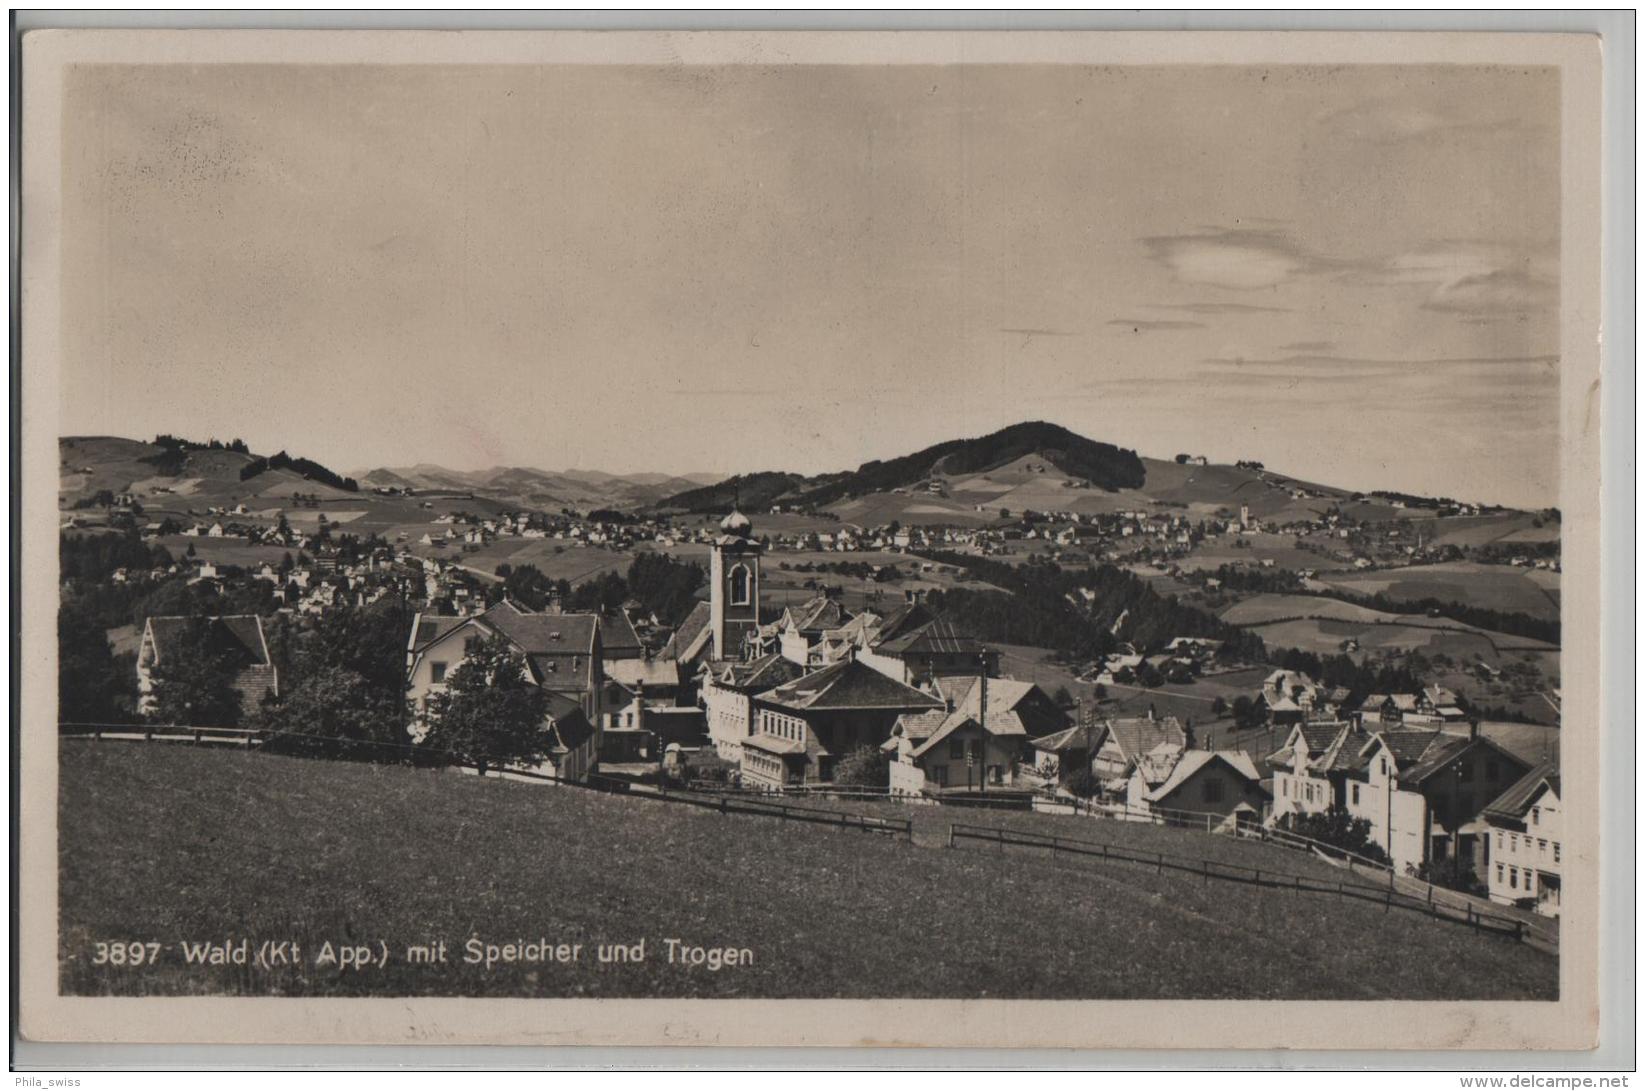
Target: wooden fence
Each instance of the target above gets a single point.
(1386, 894)
(723, 803)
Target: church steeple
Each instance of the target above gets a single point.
(734, 595)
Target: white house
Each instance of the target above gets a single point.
(1525, 833)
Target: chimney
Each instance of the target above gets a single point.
(1473, 729)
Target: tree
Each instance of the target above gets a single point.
(1249, 713)
(863, 766)
(337, 712)
(1063, 698)
(1148, 675)
(93, 684)
(1336, 827)
(1219, 707)
(194, 680)
(491, 713)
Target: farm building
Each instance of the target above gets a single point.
(1203, 782)
(237, 637)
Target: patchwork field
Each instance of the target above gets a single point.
(176, 844)
(1318, 624)
(1492, 586)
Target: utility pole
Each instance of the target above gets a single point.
(982, 718)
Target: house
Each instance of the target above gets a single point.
(960, 744)
(238, 637)
(1125, 741)
(625, 678)
(1420, 789)
(1218, 783)
(562, 653)
(1068, 753)
(803, 727)
(572, 740)
(1290, 696)
(801, 627)
(1525, 831)
(914, 647)
(728, 691)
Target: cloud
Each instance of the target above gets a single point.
(1142, 325)
(1478, 280)
(1390, 120)
(1239, 258)
(1220, 308)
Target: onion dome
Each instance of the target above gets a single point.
(737, 524)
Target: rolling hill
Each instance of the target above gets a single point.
(1100, 464)
(529, 487)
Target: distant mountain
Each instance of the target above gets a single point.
(1099, 464)
(530, 487)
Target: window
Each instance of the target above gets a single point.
(1513, 878)
(438, 672)
(1499, 840)
(1536, 816)
(1212, 790)
(1513, 841)
(1542, 844)
(956, 749)
(1500, 873)
(1382, 764)
(470, 644)
(738, 589)
(1556, 852)
(1356, 793)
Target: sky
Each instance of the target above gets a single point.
(1348, 273)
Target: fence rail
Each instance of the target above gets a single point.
(1386, 895)
(724, 803)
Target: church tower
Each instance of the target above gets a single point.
(734, 598)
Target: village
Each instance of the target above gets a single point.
(879, 695)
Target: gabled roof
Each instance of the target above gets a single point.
(757, 675)
(816, 614)
(1009, 714)
(629, 673)
(690, 637)
(1135, 737)
(1512, 804)
(1193, 761)
(544, 634)
(1087, 736)
(1446, 750)
(848, 684)
(239, 636)
(902, 619)
(617, 636)
(940, 637)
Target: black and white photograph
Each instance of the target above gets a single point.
(694, 524)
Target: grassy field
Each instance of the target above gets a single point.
(176, 844)
(1492, 586)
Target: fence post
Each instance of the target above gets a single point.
(1205, 866)
(1159, 864)
(951, 835)
(722, 804)
(1519, 931)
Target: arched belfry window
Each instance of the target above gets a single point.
(740, 586)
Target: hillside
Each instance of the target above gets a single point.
(1100, 464)
(169, 843)
(167, 477)
(528, 487)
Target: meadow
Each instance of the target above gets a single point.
(173, 844)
